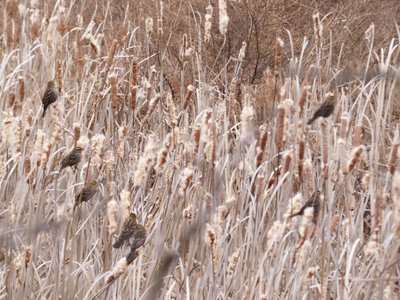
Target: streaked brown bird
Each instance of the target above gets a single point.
(127, 230)
(326, 108)
(139, 237)
(313, 202)
(50, 96)
(87, 192)
(72, 159)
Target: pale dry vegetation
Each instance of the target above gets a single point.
(194, 116)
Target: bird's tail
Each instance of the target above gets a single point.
(131, 255)
(295, 215)
(311, 120)
(44, 111)
(118, 243)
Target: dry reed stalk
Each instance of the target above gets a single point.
(134, 85)
(188, 95)
(110, 56)
(343, 125)
(160, 17)
(357, 135)
(318, 28)
(393, 156)
(280, 127)
(114, 90)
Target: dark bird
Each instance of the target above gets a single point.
(128, 230)
(50, 96)
(313, 202)
(326, 108)
(72, 159)
(139, 237)
(87, 192)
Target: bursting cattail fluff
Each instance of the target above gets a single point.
(223, 17)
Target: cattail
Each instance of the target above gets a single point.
(29, 120)
(187, 176)
(152, 105)
(160, 17)
(324, 145)
(37, 152)
(354, 158)
(57, 121)
(308, 174)
(242, 52)
(122, 130)
(146, 161)
(303, 253)
(188, 95)
(287, 158)
(149, 26)
(335, 222)
(223, 17)
(61, 21)
(370, 33)
(34, 20)
(280, 127)
(233, 261)
(210, 148)
(309, 275)
(163, 153)
(196, 138)
(134, 85)
(120, 268)
(17, 135)
(112, 216)
(172, 120)
(301, 159)
(114, 90)
(125, 203)
(317, 30)
(393, 156)
(21, 93)
(111, 54)
(372, 248)
(207, 23)
(59, 76)
(278, 56)
(247, 117)
(93, 45)
(294, 205)
(345, 229)
(303, 97)
(222, 213)
(187, 212)
(396, 202)
(97, 150)
(211, 238)
(357, 135)
(77, 133)
(306, 221)
(261, 145)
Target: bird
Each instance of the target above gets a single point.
(72, 159)
(131, 229)
(87, 192)
(313, 202)
(326, 108)
(50, 96)
(139, 238)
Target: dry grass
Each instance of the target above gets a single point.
(174, 128)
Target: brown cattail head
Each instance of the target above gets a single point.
(114, 90)
(134, 84)
(77, 133)
(59, 76)
(278, 56)
(188, 95)
(393, 157)
(280, 127)
(21, 89)
(354, 158)
(262, 143)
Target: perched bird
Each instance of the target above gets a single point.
(87, 192)
(326, 108)
(313, 202)
(139, 237)
(131, 229)
(72, 159)
(50, 96)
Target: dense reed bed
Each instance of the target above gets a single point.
(213, 164)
